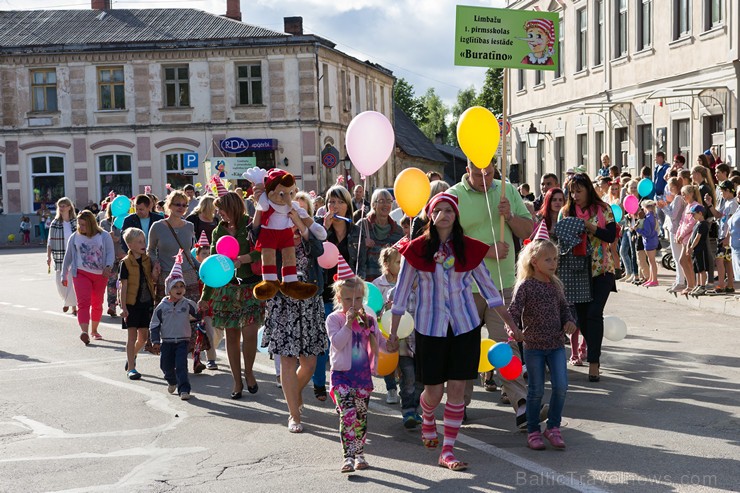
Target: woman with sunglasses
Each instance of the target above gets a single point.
(584, 203)
(166, 238)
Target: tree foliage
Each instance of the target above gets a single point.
(465, 99)
(404, 97)
(435, 114)
(491, 95)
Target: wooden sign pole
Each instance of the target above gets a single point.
(503, 143)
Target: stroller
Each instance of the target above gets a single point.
(667, 260)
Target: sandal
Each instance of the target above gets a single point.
(430, 443)
(490, 385)
(448, 461)
(348, 465)
(294, 427)
(360, 463)
(96, 336)
(320, 392)
(84, 337)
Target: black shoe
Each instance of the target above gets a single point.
(521, 421)
(236, 395)
(253, 388)
(198, 368)
(465, 415)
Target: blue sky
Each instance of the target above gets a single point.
(413, 38)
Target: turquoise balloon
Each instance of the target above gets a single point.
(194, 252)
(118, 223)
(120, 206)
(500, 354)
(617, 212)
(216, 271)
(645, 187)
(260, 334)
(374, 297)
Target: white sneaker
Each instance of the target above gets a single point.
(524, 371)
(185, 396)
(172, 389)
(392, 397)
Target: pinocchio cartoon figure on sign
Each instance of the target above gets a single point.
(276, 213)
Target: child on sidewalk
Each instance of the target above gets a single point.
(647, 228)
(355, 339)
(699, 248)
(171, 332)
(539, 306)
(722, 213)
(25, 230)
(390, 264)
(136, 297)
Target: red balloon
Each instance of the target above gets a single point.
(512, 370)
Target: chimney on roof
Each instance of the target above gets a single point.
(233, 9)
(101, 5)
(293, 25)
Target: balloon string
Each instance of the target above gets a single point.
(362, 216)
(495, 245)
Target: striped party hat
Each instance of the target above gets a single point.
(203, 240)
(542, 233)
(343, 270)
(220, 188)
(176, 273)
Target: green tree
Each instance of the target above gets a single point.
(435, 113)
(491, 95)
(465, 99)
(404, 97)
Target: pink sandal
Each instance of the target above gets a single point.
(97, 336)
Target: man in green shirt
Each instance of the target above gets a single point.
(481, 208)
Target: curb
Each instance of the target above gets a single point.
(722, 305)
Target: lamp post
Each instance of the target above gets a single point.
(533, 136)
(347, 166)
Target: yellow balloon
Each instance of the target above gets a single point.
(483, 364)
(478, 134)
(382, 330)
(387, 363)
(412, 190)
(405, 326)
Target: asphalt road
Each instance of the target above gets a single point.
(663, 418)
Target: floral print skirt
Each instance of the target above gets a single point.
(234, 307)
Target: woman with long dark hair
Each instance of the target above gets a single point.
(584, 203)
(551, 205)
(443, 262)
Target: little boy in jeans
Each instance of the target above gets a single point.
(171, 332)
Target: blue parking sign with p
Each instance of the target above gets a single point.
(190, 161)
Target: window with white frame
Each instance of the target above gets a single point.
(599, 34)
(559, 156)
(682, 137)
(538, 77)
(598, 145)
(620, 28)
(645, 145)
(44, 90)
(47, 179)
(344, 100)
(681, 18)
(561, 48)
(523, 160)
(521, 80)
(325, 84)
(713, 15)
(249, 84)
(357, 95)
(177, 87)
(582, 29)
(114, 171)
(582, 148)
(173, 165)
(111, 88)
(644, 24)
(621, 146)
(540, 160)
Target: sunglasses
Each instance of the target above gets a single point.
(179, 204)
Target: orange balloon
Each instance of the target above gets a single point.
(387, 363)
(412, 190)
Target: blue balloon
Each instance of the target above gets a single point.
(118, 223)
(260, 334)
(120, 206)
(617, 210)
(216, 271)
(645, 187)
(500, 354)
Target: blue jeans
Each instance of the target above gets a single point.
(536, 360)
(173, 360)
(410, 388)
(625, 254)
(319, 374)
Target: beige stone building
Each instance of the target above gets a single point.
(635, 77)
(98, 99)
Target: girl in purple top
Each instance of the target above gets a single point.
(649, 232)
(355, 338)
(540, 309)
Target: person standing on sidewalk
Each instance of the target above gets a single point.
(61, 228)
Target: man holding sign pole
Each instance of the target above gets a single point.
(477, 193)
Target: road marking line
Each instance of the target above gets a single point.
(19, 306)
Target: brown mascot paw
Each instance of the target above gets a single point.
(266, 290)
(298, 290)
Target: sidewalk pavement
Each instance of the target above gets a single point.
(721, 304)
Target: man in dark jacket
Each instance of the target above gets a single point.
(142, 219)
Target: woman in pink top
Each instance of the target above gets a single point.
(690, 195)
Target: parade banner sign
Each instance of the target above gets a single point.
(521, 39)
(231, 168)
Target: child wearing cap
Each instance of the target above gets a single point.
(699, 247)
(723, 212)
(171, 332)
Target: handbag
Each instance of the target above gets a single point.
(581, 249)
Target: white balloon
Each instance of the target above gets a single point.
(405, 326)
(614, 328)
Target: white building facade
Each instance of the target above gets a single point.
(82, 120)
(635, 77)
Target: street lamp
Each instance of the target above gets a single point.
(533, 136)
(347, 167)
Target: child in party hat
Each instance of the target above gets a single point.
(171, 332)
(355, 338)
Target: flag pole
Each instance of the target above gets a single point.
(503, 144)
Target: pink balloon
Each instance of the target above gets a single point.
(228, 246)
(370, 140)
(330, 257)
(631, 204)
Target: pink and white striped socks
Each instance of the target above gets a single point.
(428, 424)
(453, 418)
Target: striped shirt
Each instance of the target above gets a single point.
(441, 294)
